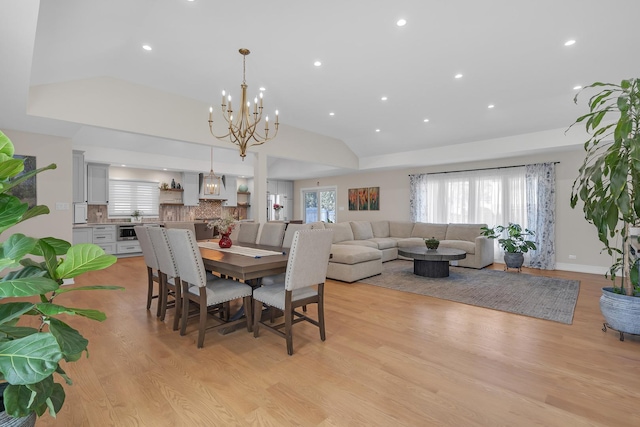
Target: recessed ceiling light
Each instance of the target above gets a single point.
(164, 169)
(490, 106)
(146, 47)
(401, 22)
(317, 63)
(458, 76)
(332, 113)
(377, 130)
(262, 89)
(124, 166)
(426, 120)
(570, 42)
(577, 87)
(384, 98)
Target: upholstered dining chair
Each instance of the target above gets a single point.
(248, 232)
(286, 243)
(181, 225)
(168, 272)
(272, 233)
(303, 285)
(151, 260)
(209, 295)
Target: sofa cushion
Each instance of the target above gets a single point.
(384, 242)
(380, 228)
(467, 232)
(426, 230)
(341, 231)
(361, 230)
(318, 225)
(352, 254)
(367, 243)
(468, 247)
(400, 228)
(411, 241)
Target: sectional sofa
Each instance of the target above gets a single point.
(360, 247)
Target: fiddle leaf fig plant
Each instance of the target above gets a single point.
(34, 335)
(608, 184)
(515, 240)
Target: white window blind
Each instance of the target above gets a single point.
(126, 196)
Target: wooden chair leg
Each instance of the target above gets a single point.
(202, 301)
(257, 314)
(321, 318)
(178, 306)
(288, 329)
(150, 287)
(248, 312)
(164, 295)
(185, 309)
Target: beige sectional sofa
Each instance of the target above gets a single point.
(360, 247)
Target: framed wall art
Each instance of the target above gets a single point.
(364, 199)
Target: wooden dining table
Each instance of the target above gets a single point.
(246, 268)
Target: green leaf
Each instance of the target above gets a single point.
(17, 399)
(13, 310)
(10, 168)
(25, 176)
(82, 258)
(88, 288)
(35, 211)
(70, 341)
(15, 332)
(17, 246)
(50, 259)
(6, 146)
(60, 246)
(11, 211)
(30, 271)
(30, 359)
(27, 286)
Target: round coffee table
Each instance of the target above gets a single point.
(429, 262)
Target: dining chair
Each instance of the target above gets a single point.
(181, 225)
(271, 234)
(208, 294)
(303, 285)
(286, 243)
(151, 260)
(248, 232)
(168, 272)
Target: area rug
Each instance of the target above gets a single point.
(520, 293)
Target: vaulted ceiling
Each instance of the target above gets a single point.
(510, 55)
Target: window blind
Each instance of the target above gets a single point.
(126, 196)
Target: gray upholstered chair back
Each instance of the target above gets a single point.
(148, 251)
(248, 232)
(166, 260)
(290, 231)
(184, 225)
(308, 258)
(187, 255)
(272, 234)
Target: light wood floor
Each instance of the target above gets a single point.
(390, 359)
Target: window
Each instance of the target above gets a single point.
(126, 196)
(319, 204)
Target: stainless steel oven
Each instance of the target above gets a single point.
(126, 232)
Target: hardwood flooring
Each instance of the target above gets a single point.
(390, 359)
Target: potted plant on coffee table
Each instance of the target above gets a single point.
(515, 244)
(608, 185)
(34, 337)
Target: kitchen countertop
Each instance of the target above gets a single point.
(97, 224)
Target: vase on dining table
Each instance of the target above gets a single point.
(225, 241)
(276, 214)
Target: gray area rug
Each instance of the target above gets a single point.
(519, 293)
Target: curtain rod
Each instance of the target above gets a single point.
(480, 169)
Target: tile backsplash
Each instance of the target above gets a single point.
(206, 210)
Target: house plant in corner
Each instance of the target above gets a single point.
(30, 356)
(608, 185)
(514, 245)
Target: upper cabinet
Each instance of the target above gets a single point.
(190, 186)
(230, 190)
(97, 183)
(79, 177)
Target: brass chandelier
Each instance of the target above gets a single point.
(243, 132)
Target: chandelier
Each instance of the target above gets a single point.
(212, 181)
(243, 132)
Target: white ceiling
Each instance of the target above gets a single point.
(511, 54)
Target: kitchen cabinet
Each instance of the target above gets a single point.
(284, 192)
(105, 237)
(79, 177)
(82, 235)
(190, 186)
(97, 184)
(230, 191)
(128, 247)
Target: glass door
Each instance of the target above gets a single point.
(319, 205)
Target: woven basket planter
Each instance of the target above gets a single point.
(621, 312)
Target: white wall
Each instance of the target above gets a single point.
(53, 186)
(574, 236)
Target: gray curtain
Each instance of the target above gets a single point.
(418, 197)
(541, 213)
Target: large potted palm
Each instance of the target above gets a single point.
(608, 185)
(34, 337)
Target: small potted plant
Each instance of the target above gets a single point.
(136, 216)
(30, 356)
(514, 245)
(432, 243)
(276, 210)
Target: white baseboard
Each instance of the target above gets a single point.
(581, 268)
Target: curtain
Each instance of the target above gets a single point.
(418, 197)
(541, 213)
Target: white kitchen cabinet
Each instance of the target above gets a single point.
(190, 186)
(230, 190)
(82, 235)
(97, 184)
(128, 247)
(105, 237)
(272, 186)
(79, 177)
